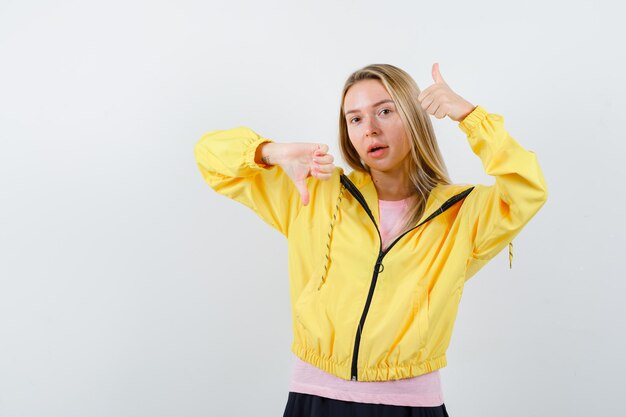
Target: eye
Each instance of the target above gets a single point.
(387, 110)
(352, 120)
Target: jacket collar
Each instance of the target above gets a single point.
(438, 195)
(361, 184)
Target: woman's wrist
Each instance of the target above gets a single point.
(267, 153)
(468, 110)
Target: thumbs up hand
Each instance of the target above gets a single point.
(440, 101)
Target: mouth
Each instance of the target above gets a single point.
(377, 151)
(376, 148)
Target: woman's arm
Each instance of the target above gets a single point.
(497, 213)
(240, 164)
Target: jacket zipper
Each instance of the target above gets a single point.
(379, 267)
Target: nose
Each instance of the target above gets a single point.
(370, 127)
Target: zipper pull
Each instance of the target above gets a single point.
(379, 263)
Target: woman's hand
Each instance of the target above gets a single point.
(440, 101)
(299, 161)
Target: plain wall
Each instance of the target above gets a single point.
(129, 288)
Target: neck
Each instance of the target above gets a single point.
(392, 186)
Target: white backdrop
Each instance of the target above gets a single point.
(129, 288)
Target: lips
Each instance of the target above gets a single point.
(375, 146)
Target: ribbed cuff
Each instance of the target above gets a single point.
(473, 119)
(251, 152)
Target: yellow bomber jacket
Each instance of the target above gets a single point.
(359, 312)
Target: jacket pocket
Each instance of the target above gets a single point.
(302, 306)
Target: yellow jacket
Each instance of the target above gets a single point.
(360, 313)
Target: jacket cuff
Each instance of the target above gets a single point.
(473, 119)
(250, 153)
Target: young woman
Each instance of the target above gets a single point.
(378, 258)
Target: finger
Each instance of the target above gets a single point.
(438, 96)
(424, 94)
(427, 102)
(304, 192)
(437, 75)
(326, 159)
(324, 176)
(434, 106)
(325, 168)
(321, 168)
(442, 111)
(321, 175)
(322, 149)
(431, 90)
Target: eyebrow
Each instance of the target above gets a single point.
(373, 105)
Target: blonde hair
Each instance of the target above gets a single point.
(426, 168)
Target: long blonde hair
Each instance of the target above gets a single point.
(426, 165)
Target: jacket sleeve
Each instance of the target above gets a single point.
(226, 161)
(497, 213)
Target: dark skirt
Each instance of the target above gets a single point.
(308, 405)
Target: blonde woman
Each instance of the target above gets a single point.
(378, 258)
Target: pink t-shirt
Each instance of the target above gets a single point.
(423, 390)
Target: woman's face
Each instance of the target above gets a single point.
(373, 119)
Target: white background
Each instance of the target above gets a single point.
(129, 288)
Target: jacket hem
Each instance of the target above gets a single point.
(382, 373)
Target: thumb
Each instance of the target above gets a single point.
(437, 75)
(303, 190)
(322, 149)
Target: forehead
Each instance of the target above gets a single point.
(365, 93)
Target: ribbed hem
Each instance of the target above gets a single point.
(372, 373)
